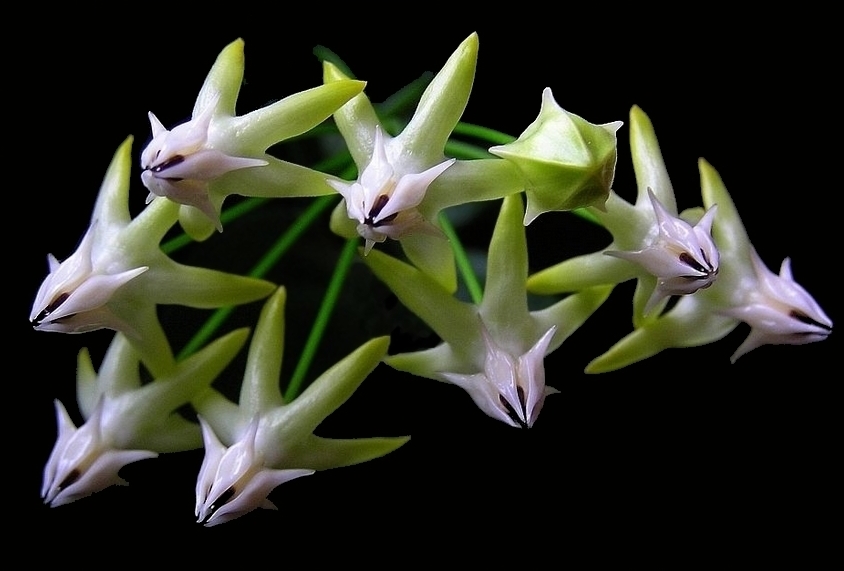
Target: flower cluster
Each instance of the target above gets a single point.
(697, 277)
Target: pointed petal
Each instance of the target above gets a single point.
(112, 206)
(173, 283)
(356, 120)
(260, 389)
(433, 256)
(441, 105)
(291, 116)
(686, 325)
(323, 396)
(454, 321)
(326, 453)
(648, 163)
(222, 84)
(504, 308)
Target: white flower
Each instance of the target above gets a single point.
(126, 419)
(84, 460)
(405, 182)
(494, 350)
(74, 296)
(253, 446)
(682, 257)
(383, 200)
(119, 275)
(179, 164)
(778, 310)
(218, 153)
(233, 481)
(510, 388)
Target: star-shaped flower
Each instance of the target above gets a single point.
(217, 153)
(127, 420)
(118, 275)
(252, 448)
(566, 161)
(778, 310)
(494, 350)
(406, 180)
(682, 257)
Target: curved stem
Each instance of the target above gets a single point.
(269, 259)
(335, 286)
(462, 259)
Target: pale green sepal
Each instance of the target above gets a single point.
(581, 272)
(319, 453)
(429, 363)
(341, 224)
(223, 82)
(504, 306)
(278, 179)
(434, 256)
(147, 411)
(567, 162)
(205, 288)
(292, 116)
(260, 390)
(195, 223)
(453, 321)
(472, 181)
(684, 326)
(356, 120)
(442, 104)
(731, 236)
(648, 164)
(111, 209)
(330, 390)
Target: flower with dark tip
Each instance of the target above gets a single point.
(264, 441)
(127, 420)
(494, 350)
(218, 153)
(119, 275)
(405, 181)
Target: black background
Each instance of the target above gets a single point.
(682, 449)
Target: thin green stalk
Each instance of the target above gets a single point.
(335, 286)
(476, 292)
(279, 248)
(483, 133)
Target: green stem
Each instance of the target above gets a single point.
(335, 286)
(281, 246)
(483, 133)
(462, 259)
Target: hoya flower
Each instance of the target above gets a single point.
(405, 181)
(566, 161)
(383, 202)
(217, 153)
(777, 309)
(494, 350)
(118, 275)
(127, 420)
(264, 441)
(683, 257)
